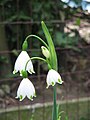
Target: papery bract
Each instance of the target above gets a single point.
(23, 63)
(26, 89)
(53, 77)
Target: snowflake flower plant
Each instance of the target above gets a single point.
(24, 64)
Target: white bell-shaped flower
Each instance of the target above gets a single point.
(53, 77)
(26, 89)
(23, 62)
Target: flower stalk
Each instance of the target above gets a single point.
(54, 112)
(35, 36)
(53, 62)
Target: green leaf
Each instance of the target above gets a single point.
(53, 56)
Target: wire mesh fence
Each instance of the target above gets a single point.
(74, 67)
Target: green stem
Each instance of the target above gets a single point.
(38, 58)
(54, 115)
(45, 60)
(37, 38)
(53, 63)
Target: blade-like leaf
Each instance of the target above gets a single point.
(53, 57)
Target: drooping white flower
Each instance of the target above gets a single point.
(26, 89)
(45, 52)
(23, 62)
(53, 77)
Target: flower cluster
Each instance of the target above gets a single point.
(24, 64)
(26, 88)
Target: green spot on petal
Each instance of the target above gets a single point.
(59, 80)
(31, 97)
(53, 84)
(21, 97)
(30, 71)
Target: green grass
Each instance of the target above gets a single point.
(74, 111)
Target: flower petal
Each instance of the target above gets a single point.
(50, 80)
(29, 67)
(21, 61)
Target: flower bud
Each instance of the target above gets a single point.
(45, 52)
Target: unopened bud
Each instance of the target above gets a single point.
(45, 52)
